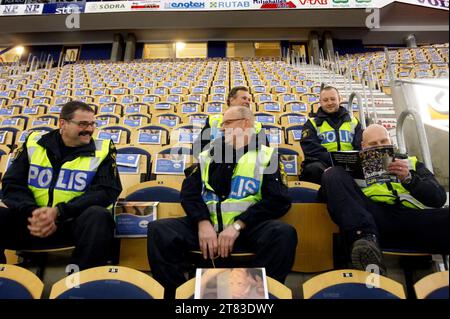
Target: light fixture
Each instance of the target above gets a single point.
(19, 50)
(180, 45)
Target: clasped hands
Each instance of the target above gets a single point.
(213, 245)
(42, 221)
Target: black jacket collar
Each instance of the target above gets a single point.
(50, 142)
(343, 115)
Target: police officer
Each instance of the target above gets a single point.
(58, 188)
(333, 129)
(232, 199)
(401, 215)
(238, 96)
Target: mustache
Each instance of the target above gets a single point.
(84, 133)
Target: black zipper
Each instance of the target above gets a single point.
(338, 139)
(394, 192)
(55, 176)
(219, 216)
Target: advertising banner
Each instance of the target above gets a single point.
(22, 7)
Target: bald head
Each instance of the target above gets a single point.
(375, 135)
(237, 125)
(239, 112)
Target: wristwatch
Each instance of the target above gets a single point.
(407, 180)
(237, 226)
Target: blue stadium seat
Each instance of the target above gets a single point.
(107, 282)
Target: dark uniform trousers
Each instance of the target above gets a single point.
(169, 241)
(92, 234)
(396, 227)
(312, 171)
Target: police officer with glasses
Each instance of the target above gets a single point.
(58, 191)
(232, 200)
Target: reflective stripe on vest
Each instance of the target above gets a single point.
(215, 122)
(74, 176)
(381, 192)
(246, 186)
(329, 139)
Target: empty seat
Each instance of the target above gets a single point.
(19, 283)
(352, 284)
(107, 282)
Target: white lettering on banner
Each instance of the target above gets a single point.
(70, 9)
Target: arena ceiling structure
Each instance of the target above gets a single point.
(427, 19)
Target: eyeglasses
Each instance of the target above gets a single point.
(228, 122)
(84, 124)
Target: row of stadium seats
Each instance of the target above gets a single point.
(115, 282)
(426, 62)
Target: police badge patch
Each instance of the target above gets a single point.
(283, 174)
(17, 153)
(305, 134)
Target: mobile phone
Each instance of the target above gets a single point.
(399, 156)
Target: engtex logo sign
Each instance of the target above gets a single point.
(185, 5)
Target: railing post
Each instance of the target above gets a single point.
(390, 68)
(362, 118)
(423, 141)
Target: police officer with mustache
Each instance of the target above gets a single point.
(59, 189)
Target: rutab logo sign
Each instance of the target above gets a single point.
(229, 5)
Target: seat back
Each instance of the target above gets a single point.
(19, 283)
(352, 284)
(434, 286)
(107, 282)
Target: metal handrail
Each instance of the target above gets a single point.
(390, 68)
(30, 56)
(369, 81)
(338, 61)
(374, 71)
(423, 141)
(60, 60)
(362, 118)
(360, 75)
(349, 76)
(49, 61)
